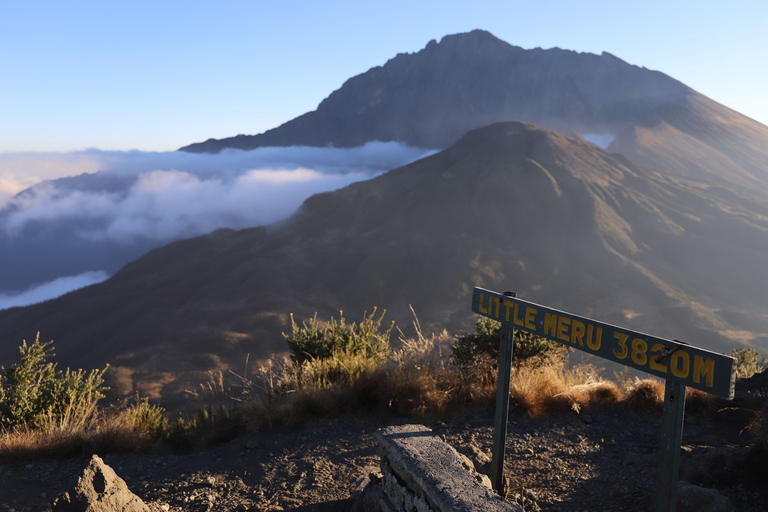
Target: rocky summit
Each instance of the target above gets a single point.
(434, 96)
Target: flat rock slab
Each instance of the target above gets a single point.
(435, 471)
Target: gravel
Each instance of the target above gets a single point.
(560, 462)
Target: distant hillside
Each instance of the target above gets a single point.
(511, 206)
(433, 97)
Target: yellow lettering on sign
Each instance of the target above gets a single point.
(598, 338)
(498, 304)
(530, 317)
(680, 364)
(624, 352)
(480, 307)
(639, 348)
(517, 320)
(508, 305)
(577, 334)
(703, 368)
(594, 344)
(562, 328)
(654, 364)
(550, 324)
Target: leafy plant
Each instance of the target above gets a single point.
(482, 348)
(748, 362)
(146, 418)
(34, 393)
(314, 340)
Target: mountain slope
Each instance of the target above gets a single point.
(698, 137)
(433, 97)
(509, 207)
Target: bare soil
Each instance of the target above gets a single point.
(599, 460)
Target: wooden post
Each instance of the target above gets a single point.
(671, 441)
(506, 344)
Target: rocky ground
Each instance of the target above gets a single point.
(599, 460)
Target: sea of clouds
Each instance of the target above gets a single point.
(68, 220)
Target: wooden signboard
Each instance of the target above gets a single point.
(680, 364)
(671, 360)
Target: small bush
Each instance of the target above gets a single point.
(314, 340)
(146, 419)
(34, 393)
(748, 362)
(481, 348)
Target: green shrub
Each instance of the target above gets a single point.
(482, 347)
(147, 419)
(34, 393)
(748, 362)
(319, 341)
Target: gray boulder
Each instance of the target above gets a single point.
(99, 489)
(692, 498)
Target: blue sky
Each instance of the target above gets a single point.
(154, 76)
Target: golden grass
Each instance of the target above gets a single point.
(648, 395)
(416, 380)
(557, 388)
(84, 431)
(645, 394)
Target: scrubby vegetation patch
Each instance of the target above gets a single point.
(34, 393)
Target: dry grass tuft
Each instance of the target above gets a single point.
(415, 379)
(557, 388)
(700, 403)
(418, 379)
(645, 394)
(593, 394)
(132, 427)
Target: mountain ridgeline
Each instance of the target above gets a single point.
(556, 219)
(433, 97)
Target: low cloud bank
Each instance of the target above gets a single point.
(64, 214)
(165, 205)
(51, 290)
(164, 196)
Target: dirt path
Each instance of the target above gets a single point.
(601, 460)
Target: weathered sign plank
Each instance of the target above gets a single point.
(671, 360)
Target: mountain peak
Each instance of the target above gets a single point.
(432, 97)
(473, 36)
(571, 156)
